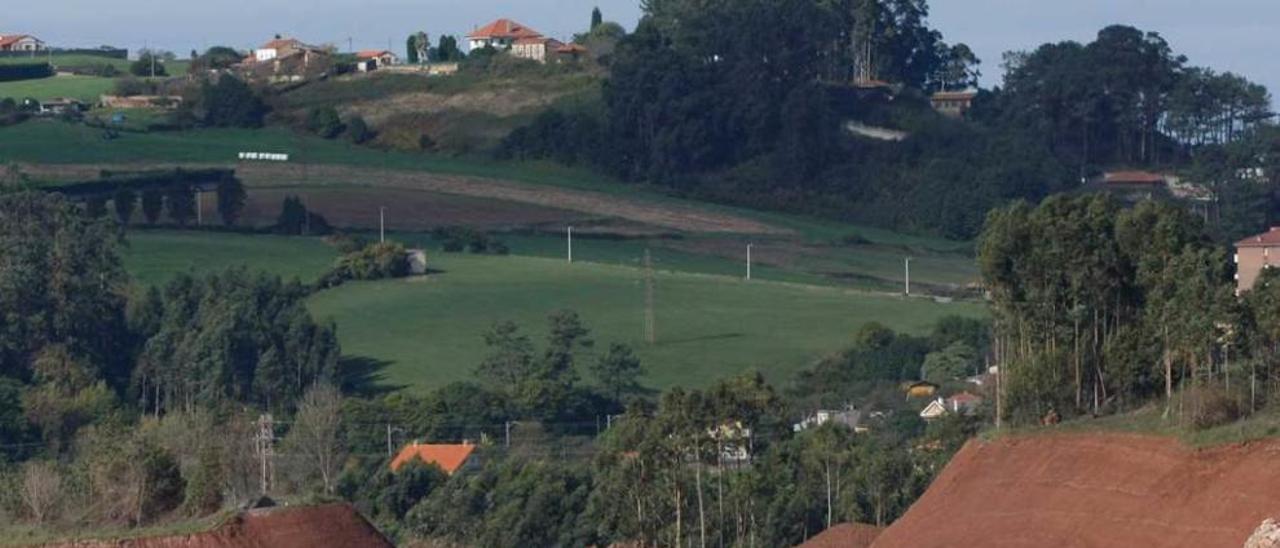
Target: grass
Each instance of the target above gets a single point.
(152, 257)
(1150, 420)
(84, 88)
(31, 535)
(709, 327)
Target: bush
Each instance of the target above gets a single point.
(375, 262)
(459, 239)
(358, 131)
(324, 121)
(1205, 407)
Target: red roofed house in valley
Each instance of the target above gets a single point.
(380, 58)
(1253, 255)
(500, 34)
(449, 457)
(20, 42)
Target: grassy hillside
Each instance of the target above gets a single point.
(84, 88)
(429, 330)
(708, 327)
(152, 257)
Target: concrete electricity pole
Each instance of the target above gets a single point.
(382, 225)
(650, 327)
(748, 261)
(908, 276)
(570, 232)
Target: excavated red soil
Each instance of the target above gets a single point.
(334, 525)
(1095, 490)
(844, 535)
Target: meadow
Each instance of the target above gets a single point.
(428, 330)
(84, 88)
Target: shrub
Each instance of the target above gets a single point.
(1205, 407)
(358, 131)
(324, 121)
(375, 262)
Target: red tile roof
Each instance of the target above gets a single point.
(12, 39)
(965, 397)
(504, 28)
(1133, 178)
(449, 457)
(952, 95)
(1266, 239)
(280, 43)
(372, 53)
(571, 48)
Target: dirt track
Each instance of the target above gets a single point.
(1095, 490)
(333, 525)
(666, 215)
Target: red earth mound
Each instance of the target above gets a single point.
(333, 525)
(1094, 490)
(844, 535)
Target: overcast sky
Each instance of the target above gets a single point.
(1237, 35)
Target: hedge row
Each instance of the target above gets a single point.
(25, 71)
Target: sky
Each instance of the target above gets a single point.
(1237, 35)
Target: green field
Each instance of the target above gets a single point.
(708, 327)
(152, 257)
(429, 329)
(84, 88)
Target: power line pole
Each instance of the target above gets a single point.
(199, 206)
(263, 445)
(907, 277)
(748, 261)
(650, 329)
(571, 245)
(382, 225)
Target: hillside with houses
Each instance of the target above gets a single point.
(744, 273)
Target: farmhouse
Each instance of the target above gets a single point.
(380, 58)
(849, 417)
(1253, 255)
(963, 403)
(20, 42)
(501, 35)
(953, 103)
(449, 457)
(281, 48)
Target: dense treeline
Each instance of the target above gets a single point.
(1100, 309)
(690, 105)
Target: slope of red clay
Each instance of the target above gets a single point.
(844, 535)
(333, 525)
(1095, 490)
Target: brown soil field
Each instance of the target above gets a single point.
(597, 205)
(332, 525)
(1103, 490)
(845, 535)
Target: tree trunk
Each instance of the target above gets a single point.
(702, 515)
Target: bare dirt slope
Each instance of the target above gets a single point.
(1095, 490)
(844, 535)
(333, 525)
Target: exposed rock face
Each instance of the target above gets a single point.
(1266, 535)
(1096, 490)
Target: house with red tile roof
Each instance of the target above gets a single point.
(1253, 255)
(501, 34)
(20, 42)
(279, 48)
(450, 457)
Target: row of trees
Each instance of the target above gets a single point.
(178, 199)
(1099, 308)
(1126, 97)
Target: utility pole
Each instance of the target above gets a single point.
(748, 261)
(507, 435)
(908, 277)
(199, 206)
(350, 48)
(570, 245)
(650, 329)
(263, 445)
(388, 440)
(382, 225)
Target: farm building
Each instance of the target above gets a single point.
(1253, 255)
(449, 457)
(849, 417)
(380, 59)
(953, 103)
(20, 42)
(501, 35)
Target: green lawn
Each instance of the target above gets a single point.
(84, 88)
(708, 326)
(153, 257)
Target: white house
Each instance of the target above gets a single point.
(380, 58)
(20, 42)
(849, 417)
(282, 47)
(501, 35)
